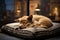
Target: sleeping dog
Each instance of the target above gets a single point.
(36, 21)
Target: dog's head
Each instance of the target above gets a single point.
(25, 20)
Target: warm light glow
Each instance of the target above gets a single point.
(56, 11)
(37, 9)
(18, 11)
(50, 14)
(32, 6)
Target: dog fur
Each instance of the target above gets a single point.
(35, 21)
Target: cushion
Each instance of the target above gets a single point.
(13, 28)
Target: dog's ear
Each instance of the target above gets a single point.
(30, 18)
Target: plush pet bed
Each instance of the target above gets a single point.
(13, 29)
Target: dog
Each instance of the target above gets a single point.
(36, 21)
